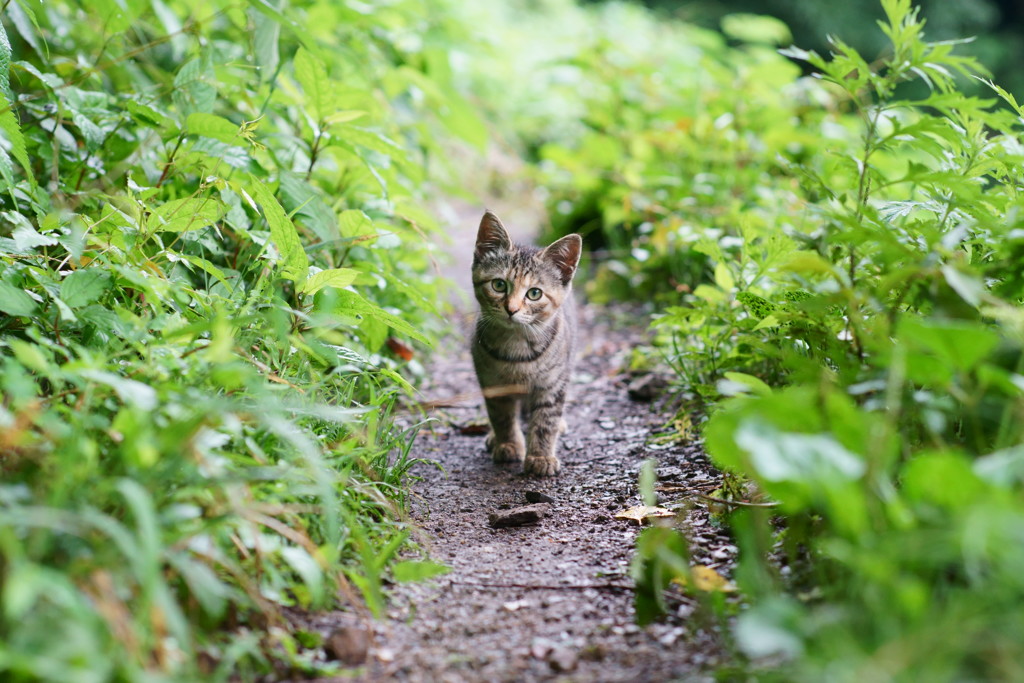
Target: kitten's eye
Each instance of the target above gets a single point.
(533, 294)
(499, 285)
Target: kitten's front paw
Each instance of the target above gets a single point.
(542, 466)
(507, 452)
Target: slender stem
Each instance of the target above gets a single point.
(170, 161)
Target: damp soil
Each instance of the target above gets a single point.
(551, 600)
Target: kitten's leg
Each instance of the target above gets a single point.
(506, 438)
(546, 424)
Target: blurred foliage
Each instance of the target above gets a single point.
(996, 27)
(837, 264)
(210, 227)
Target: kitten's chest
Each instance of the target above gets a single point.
(511, 359)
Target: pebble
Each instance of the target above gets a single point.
(562, 659)
(348, 645)
(537, 497)
(520, 516)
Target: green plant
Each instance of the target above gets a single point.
(211, 223)
(839, 271)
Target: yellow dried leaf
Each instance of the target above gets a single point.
(706, 579)
(643, 512)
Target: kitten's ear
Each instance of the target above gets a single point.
(491, 236)
(564, 255)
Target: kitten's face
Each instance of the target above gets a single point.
(521, 286)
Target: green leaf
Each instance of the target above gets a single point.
(180, 215)
(14, 301)
(147, 114)
(808, 458)
(294, 264)
(8, 121)
(204, 265)
(371, 139)
(311, 73)
(332, 277)
(265, 46)
(211, 126)
(756, 28)
(84, 286)
(723, 277)
(132, 392)
(410, 570)
(754, 384)
(355, 223)
(306, 566)
(351, 303)
(960, 345)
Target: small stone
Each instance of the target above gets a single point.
(562, 659)
(348, 645)
(540, 648)
(537, 497)
(521, 516)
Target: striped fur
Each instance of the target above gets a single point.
(524, 342)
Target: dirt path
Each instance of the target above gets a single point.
(550, 601)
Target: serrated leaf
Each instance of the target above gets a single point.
(180, 215)
(351, 303)
(27, 238)
(294, 264)
(332, 277)
(8, 121)
(82, 287)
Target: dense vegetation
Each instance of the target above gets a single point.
(216, 273)
(212, 233)
(839, 259)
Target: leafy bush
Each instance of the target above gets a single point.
(210, 230)
(840, 255)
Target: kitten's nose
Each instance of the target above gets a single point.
(511, 311)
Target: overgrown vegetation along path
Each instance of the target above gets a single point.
(552, 600)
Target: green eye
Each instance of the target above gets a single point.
(499, 285)
(533, 294)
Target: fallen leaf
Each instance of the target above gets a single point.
(640, 513)
(400, 349)
(706, 579)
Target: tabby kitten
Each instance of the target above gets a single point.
(524, 342)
